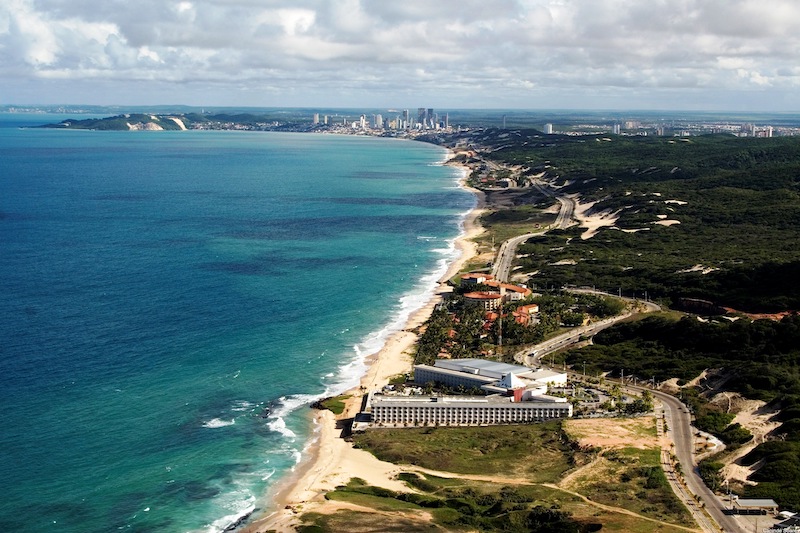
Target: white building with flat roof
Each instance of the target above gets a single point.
(394, 411)
(490, 376)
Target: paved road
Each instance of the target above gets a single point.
(679, 421)
(566, 213)
(501, 270)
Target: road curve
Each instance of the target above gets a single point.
(501, 269)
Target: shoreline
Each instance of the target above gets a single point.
(329, 460)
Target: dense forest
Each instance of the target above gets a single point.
(732, 205)
(736, 202)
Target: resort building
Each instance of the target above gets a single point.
(515, 395)
(393, 411)
(526, 315)
(491, 377)
(488, 300)
(509, 292)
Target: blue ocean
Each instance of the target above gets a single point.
(173, 301)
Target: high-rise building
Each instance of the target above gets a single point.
(316, 118)
(422, 116)
(548, 129)
(615, 129)
(431, 118)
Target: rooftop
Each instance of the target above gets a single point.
(484, 367)
(466, 401)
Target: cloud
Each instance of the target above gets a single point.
(475, 53)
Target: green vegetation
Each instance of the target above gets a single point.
(710, 473)
(532, 454)
(504, 224)
(740, 216)
(119, 122)
(460, 505)
(335, 404)
(736, 200)
(539, 452)
(633, 478)
(458, 329)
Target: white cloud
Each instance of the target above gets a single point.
(473, 53)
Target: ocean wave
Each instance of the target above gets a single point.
(242, 504)
(278, 425)
(286, 404)
(218, 423)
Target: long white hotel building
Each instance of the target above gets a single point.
(394, 411)
(516, 396)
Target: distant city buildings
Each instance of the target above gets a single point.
(426, 119)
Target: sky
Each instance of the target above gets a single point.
(713, 55)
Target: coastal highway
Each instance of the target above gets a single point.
(679, 421)
(501, 270)
(566, 213)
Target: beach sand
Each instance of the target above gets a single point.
(332, 461)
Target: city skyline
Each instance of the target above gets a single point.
(526, 54)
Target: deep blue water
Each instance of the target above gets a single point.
(172, 301)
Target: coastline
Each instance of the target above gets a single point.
(329, 460)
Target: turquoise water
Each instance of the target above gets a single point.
(172, 301)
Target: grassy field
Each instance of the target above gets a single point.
(632, 478)
(538, 452)
(336, 404)
(459, 504)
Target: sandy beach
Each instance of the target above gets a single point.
(331, 461)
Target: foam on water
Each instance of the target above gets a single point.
(218, 423)
(278, 425)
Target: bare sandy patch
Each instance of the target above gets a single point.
(179, 122)
(667, 222)
(614, 432)
(698, 268)
(593, 221)
(758, 419)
